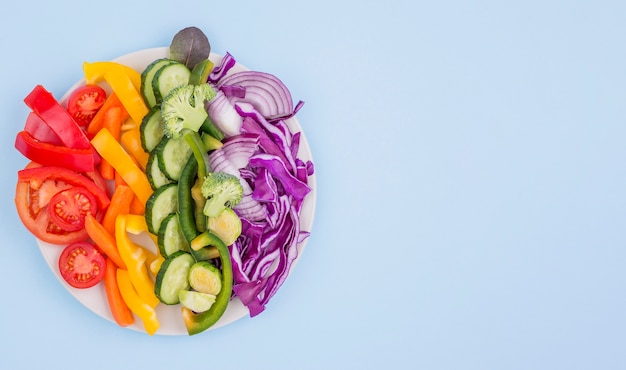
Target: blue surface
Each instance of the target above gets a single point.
(471, 180)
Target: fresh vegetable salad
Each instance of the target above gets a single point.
(194, 154)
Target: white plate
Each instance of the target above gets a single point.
(170, 316)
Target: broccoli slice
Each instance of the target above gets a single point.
(222, 190)
(184, 107)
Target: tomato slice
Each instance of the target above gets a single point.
(35, 190)
(81, 265)
(84, 103)
(68, 208)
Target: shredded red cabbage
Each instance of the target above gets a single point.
(220, 70)
(264, 155)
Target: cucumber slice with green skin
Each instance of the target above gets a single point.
(151, 129)
(146, 80)
(173, 154)
(196, 301)
(170, 238)
(156, 178)
(205, 277)
(167, 78)
(161, 203)
(172, 277)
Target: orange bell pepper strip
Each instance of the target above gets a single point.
(135, 258)
(97, 122)
(129, 95)
(113, 119)
(122, 314)
(103, 240)
(136, 207)
(131, 141)
(94, 72)
(145, 312)
(121, 199)
(112, 151)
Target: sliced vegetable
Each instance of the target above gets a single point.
(172, 277)
(123, 163)
(122, 315)
(227, 226)
(128, 94)
(195, 301)
(96, 71)
(170, 238)
(200, 73)
(40, 131)
(120, 204)
(69, 208)
(104, 240)
(131, 141)
(205, 277)
(146, 80)
(81, 160)
(97, 122)
(135, 258)
(160, 204)
(167, 78)
(199, 322)
(85, 102)
(151, 129)
(146, 313)
(172, 155)
(266, 92)
(113, 119)
(57, 118)
(81, 265)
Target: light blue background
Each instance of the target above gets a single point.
(470, 162)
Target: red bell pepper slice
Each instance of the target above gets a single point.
(57, 118)
(39, 130)
(81, 160)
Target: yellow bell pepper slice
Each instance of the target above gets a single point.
(136, 224)
(131, 140)
(113, 152)
(126, 91)
(156, 264)
(140, 308)
(94, 72)
(135, 258)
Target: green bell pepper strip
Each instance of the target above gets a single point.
(199, 322)
(199, 151)
(187, 209)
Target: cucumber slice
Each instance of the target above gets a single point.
(170, 238)
(161, 203)
(172, 277)
(156, 178)
(196, 301)
(204, 277)
(146, 80)
(167, 78)
(173, 154)
(151, 129)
